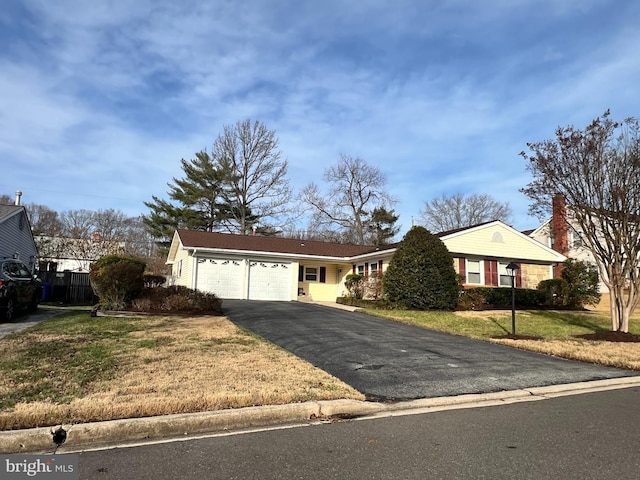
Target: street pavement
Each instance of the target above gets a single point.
(391, 361)
(592, 436)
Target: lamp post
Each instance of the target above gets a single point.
(512, 271)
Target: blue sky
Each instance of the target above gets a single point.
(100, 100)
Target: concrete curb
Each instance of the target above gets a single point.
(103, 434)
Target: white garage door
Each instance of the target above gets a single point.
(221, 276)
(269, 280)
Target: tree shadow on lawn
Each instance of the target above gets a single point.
(599, 333)
(575, 320)
(509, 335)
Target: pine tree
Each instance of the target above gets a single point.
(196, 205)
(382, 226)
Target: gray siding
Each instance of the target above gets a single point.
(16, 237)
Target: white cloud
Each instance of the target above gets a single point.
(104, 99)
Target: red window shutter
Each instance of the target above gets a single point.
(462, 269)
(353, 269)
(519, 276)
(487, 272)
(366, 269)
(491, 273)
(380, 266)
(323, 274)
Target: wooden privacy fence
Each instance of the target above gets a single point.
(72, 288)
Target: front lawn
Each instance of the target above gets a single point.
(75, 368)
(556, 331)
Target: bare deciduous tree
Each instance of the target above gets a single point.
(256, 187)
(457, 211)
(598, 172)
(44, 221)
(85, 235)
(355, 190)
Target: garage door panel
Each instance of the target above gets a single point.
(220, 276)
(269, 280)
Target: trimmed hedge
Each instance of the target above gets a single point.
(555, 291)
(380, 304)
(495, 297)
(177, 299)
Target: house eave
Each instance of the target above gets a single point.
(195, 251)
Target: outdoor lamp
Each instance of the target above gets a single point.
(512, 271)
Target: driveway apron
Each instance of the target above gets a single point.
(23, 320)
(390, 361)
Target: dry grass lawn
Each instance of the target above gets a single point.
(151, 366)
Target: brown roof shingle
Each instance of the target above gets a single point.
(228, 241)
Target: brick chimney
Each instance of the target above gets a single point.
(559, 230)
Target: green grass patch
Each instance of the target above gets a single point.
(60, 358)
(154, 343)
(551, 325)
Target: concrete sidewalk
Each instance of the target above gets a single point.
(348, 308)
(129, 432)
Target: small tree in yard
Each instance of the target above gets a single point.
(421, 273)
(583, 283)
(117, 280)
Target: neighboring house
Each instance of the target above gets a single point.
(270, 268)
(16, 238)
(563, 234)
(73, 254)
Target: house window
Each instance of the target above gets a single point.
(311, 274)
(474, 272)
(373, 267)
(576, 240)
(505, 278)
(360, 270)
(179, 268)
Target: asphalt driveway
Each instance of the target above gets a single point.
(387, 360)
(25, 320)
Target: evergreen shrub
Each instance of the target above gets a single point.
(421, 274)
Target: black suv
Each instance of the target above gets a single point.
(19, 288)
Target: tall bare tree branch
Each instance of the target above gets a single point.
(597, 170)
(355, 189)
(456, 211)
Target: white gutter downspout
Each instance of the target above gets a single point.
(194, 270)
